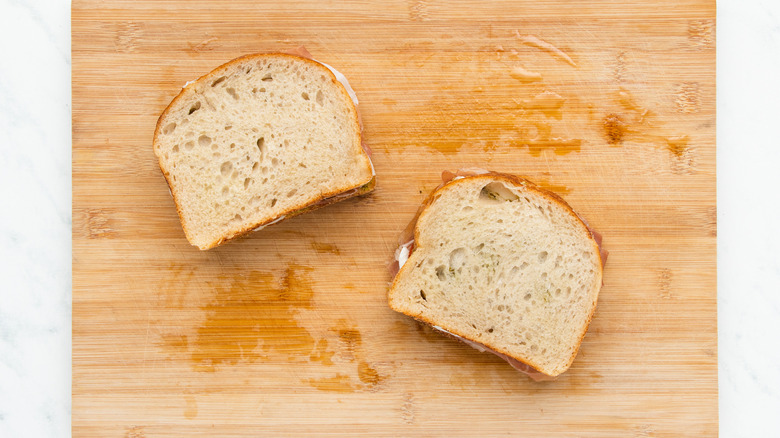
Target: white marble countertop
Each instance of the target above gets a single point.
(35, 226)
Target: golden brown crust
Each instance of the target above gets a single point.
(296, 209)
(517, 181)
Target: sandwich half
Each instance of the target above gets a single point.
(262, 138)
(504, 266)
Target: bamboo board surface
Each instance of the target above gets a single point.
(287, 332)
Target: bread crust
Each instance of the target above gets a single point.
(295, 209)
(516, 181)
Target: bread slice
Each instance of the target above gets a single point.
(505, 265)
(259, 139)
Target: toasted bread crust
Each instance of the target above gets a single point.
(516, 181)
(293, 210)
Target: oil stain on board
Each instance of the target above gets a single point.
(267, 316)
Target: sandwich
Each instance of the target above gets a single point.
(258, 140)
(504, 266)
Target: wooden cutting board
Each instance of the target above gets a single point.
(287, 332)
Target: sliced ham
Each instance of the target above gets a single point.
(300, 51)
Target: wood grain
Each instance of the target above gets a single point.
(287, 332)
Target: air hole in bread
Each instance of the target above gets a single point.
(226, 168)
(273, 202)
(261, 147)
(527, 297)
(422, 295)
(305, 96)
(175, 148)
(232, 146)
(232, 92)
(204, 140)
(500, 308)
(542, 256)
(534, 347)
(274, 161)
(225, 190)
(218, 81)
(544, 275)
(302, 165)
(457, 258)
(467, 208)
(319, 98)
(497, 191)
(247, 182)
(558, 292)
(255, 166)
(195, 106)
(169, 128)
(189, 145)
(268, 78)
(292, 193)
(490, 330)
(524, 265)
(440, 272)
